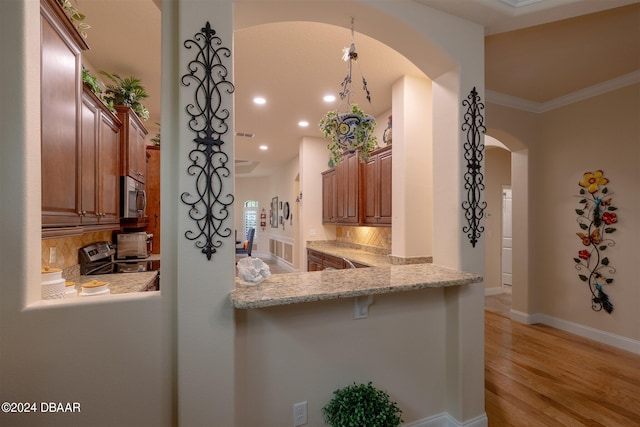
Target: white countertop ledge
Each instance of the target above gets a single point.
(294, 288)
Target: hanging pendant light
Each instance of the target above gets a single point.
(352, 129)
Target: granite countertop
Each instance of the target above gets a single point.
(367, 255)
(292, 288)
(356, 253)
(121, 282)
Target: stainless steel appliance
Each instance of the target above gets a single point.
(132, 245)
(98, 258)
(134, 198)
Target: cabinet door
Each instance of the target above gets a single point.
(139, 146)
(314, 260)
(377, 189)
(109, 176)
(329, 196)
(348, 190)
(384, 209)
(370, 198)
(132, 144)
(89, 161)
(153, 195)
(60, 109)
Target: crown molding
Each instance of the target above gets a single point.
(580, 95)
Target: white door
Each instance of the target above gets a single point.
(506, 236)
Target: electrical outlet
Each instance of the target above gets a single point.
(299, 414)
(52, 255)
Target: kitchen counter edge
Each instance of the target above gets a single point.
(302, 287)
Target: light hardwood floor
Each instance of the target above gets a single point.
(536, 375)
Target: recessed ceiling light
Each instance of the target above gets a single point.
(264, 147)
(259, 100)
(303, 123)
(329, 98)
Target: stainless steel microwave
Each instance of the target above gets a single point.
(134, 198)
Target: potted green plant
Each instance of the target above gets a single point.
(351, 131)
(361, 405)
(128, 92)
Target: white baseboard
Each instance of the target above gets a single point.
(493, 291)
(446, 420)
(603, 337)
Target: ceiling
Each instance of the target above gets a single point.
(294, 64)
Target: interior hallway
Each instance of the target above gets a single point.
(536, 375)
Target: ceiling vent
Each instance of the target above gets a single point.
(246, 135)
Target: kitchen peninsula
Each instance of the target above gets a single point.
(381, 277)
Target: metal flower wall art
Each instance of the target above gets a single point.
(596, 219)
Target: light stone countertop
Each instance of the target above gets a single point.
(354, 253)
(121, 282)
(293, 288)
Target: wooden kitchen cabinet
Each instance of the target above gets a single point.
(329, 196)
(318, 261)
(340, 192)
(61, 92)
(314, 260)
(100, 163)
(348, 190)
(355, 193)
(153, 195)
(132, 144)
(377, 188)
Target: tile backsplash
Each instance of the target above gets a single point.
(379, 237)
(66, 248)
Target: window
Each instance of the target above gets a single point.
(251, 217)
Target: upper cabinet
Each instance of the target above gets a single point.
(329, 196)
(377, 188)
(61, 91)
(355, 193)
(132, 145)
(100, 166)
(348, 190)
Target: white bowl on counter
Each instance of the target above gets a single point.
(94, 288)
(52, 283)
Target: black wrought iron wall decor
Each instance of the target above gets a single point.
(474, 179)
(596, 217)
(208, 74)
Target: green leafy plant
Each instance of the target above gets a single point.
(76, 17)
(351, 131)
(361, 405)
(91, 81)
(128, 92)
(95, 86)
(156, 140)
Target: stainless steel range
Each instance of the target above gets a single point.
(99, 258)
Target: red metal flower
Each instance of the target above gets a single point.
(609, 218)
(584, 254)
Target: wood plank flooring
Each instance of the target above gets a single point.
(536, 375)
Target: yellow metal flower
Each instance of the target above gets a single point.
(593, 180)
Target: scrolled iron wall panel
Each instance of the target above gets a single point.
(474, 154)
(207, 74)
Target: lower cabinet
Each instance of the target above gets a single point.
(317, 261)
